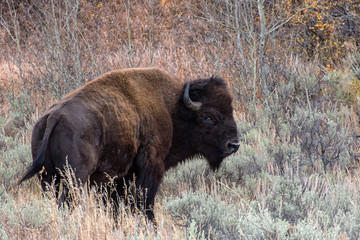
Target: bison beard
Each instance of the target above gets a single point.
(133, 124)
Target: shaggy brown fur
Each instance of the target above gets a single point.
(133, 122)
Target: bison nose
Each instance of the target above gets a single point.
(232, 146)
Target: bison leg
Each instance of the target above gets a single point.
(138, 188)
(146, 191)
(136, 193)
(149, 172)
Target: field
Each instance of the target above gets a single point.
(293, 68)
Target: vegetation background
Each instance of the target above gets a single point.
(293, 68)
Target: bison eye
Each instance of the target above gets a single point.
(208, 120)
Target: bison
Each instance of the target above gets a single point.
(133, 125)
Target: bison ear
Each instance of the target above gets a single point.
(194, 93)
(197, 89)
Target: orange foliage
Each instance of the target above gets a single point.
(322, 28)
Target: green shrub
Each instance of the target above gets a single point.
(323, 137)
(288, 198)
(192, 232)
(303, 126)
(340, 211)
(35, 214)
(186, 174)
(313, 207)
(213, 217)
(13, 162)
(21, 110)
(306, 229)
(3, 234)
(257, 223)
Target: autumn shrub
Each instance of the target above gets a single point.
(351, 87)
(322, 29)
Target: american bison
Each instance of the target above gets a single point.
(133, 124)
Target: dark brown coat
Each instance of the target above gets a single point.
(134, 122)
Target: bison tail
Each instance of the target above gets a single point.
(34, 168)
(40, 159)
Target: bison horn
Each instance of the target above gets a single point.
(195, 106)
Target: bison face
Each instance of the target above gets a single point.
(216, 136)
(214, 129)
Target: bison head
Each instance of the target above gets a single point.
(210, 118)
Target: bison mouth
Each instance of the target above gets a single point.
(225, 155)
(216, 156)
(215, 153)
